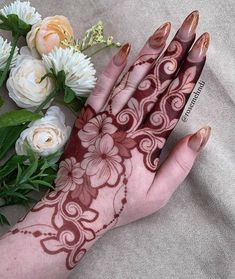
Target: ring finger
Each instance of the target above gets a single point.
(146, 59)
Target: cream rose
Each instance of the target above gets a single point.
(46, 135)
(44, 36)
(24, 84)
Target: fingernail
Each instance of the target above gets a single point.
(122, 54)
(160, 36)
(188, 28)
(198, 52)
(198, 140)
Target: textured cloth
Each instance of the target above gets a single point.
(193, 236)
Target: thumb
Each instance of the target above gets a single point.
(177, 166)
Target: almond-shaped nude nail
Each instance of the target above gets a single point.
(198, 140)
(122, 54)
(188, 27)
(160, 36)
(199, 49)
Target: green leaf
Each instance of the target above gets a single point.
(15, 24)
(28, 172)
(50, 178)
(43, 183)
(28, 186)
(18, 174)
(77, 104)
(23, 26)
(32, 156)
(69, 95)
(17, 117)
(3, 220)
(18, 195)
(53, 158)
(4, 25)
(11, 165)
(27, 175)
(8, 137)
(3, 18)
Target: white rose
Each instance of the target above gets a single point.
(46, 135)
(24, 84)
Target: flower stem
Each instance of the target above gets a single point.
(85, 48)
(5, 72)
(49, 97)
(106, 46)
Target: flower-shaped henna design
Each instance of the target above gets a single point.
(108, 170)
(96, 128)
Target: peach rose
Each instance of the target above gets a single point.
(47, 34)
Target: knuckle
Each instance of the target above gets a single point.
(99, 88)
(130, 85)
(105, 75)
(127, 85)
(102, 83)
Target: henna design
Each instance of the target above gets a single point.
(98, 163)
(128, 82)
(98, 158)
(157, 89)
(166, 113)
(152, 86)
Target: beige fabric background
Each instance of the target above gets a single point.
(193, 237)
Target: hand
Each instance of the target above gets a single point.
(108, 175)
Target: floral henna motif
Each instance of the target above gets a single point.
(98, 158)
(102, 162)
(70, 175)
(99, 162)
(96, 128)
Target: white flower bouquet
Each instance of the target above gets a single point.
(51, 65)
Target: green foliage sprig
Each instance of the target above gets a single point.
(14, 24)
(17, 117)
(18, 28)
(22, 175)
